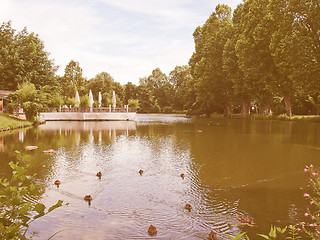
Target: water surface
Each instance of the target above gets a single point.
(232, 167)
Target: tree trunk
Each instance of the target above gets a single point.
(287, 102)
(245, 106)
(265, 108)
(227, 110)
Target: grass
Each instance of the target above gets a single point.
(9, 122)
(310, 118)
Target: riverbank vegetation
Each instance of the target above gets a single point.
(264, 59)
(19, 206)
(281, 117)
(7, 122)
(308, 229)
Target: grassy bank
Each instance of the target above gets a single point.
(7, 122)
(283, 117)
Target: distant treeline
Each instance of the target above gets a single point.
(265, 58)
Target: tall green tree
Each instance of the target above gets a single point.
(72, 80)
(130, 92)
(104, 83)
(212, 86)
(159, 87)
(255, 58)
(241, 91)
(183, 89)
(295, 47)
(23, 59)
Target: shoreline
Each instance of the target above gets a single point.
(9, 123)
(306, 118)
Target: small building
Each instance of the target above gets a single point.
(3, 95)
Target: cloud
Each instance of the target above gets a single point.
(165, 11)
(127, 39)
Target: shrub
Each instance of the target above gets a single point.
(167, 110)
(84, 101)
(16, 212)
(133, 103)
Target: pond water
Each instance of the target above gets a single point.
(232, 167)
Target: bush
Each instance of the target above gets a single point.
(156, 108)
(30, 99)
(16, 213)
(167, 110)
(31, 110)
(56, 101)
(84, 101)
(70, 101)
(133, 103)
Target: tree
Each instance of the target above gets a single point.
(23, 59)
(183, 90)
(72, 80)
(231, 66)
(159, 87)
(145, 98)
(212, 87)
(28, 97)
(255, 58)
(295, 47)
(130, 92)
(104, 83)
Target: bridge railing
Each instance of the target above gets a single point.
(83, 110)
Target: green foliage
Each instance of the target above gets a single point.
(304, 230)
(313, 209)
(23, 58)
(16, 211)
(270, 49)
(31, 109)
(30, 99)
(133, 103)
(70, 101)
(72, 80)
(130, 92)
(183, 93)
(211, 85)
(84, 101)
(159, 87)
(167, 110)
(275, 233)
(239, 236)
(156, 108)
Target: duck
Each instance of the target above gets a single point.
(50, 151)
(188, 207)
(245, 219)
(140, 171)
(57, 182)
(99, 174)
(88, 198)
(212, 235)
(182, 175)
(152, 230)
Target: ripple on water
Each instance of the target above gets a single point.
(125, 203)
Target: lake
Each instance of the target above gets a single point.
(232, 167)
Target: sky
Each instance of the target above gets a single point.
(125, 38)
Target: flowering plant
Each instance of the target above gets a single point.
(313, 210)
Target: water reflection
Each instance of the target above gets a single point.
(232, 167)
